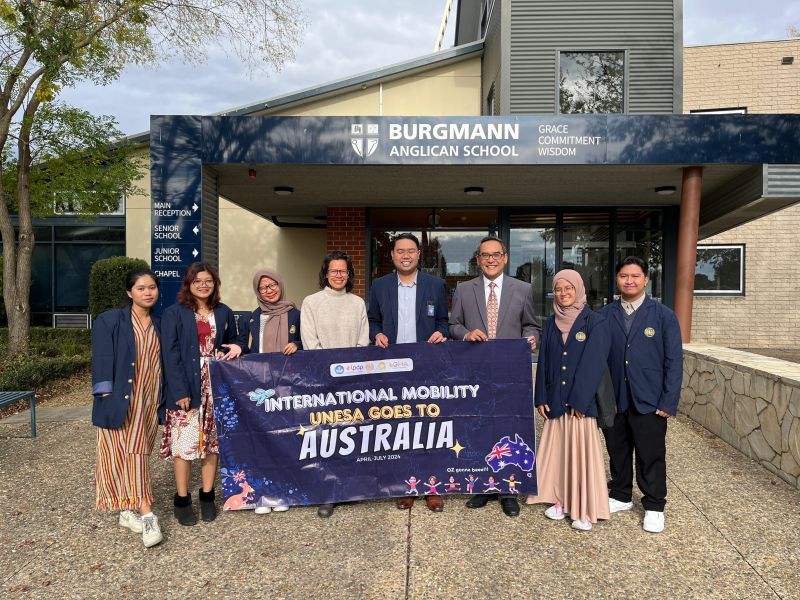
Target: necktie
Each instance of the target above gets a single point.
(492, 310)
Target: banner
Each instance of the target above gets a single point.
(330, 426)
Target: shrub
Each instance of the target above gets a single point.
(45, 341)
(19, 372)
(107, 282)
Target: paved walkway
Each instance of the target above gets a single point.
(733, 531)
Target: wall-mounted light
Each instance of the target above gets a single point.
(474, 190)
(283, 190)
(665, 190)
(251, 173)
(787, 60)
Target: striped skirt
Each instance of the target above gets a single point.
(122, 479)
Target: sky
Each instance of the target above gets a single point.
(348, 37)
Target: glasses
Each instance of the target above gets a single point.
(409, 252)
(565, 290)
(203, 283)
(494, 255)
(338, 272)
(271, 287)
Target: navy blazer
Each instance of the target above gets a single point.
(382, 312)
(114, 366)
(249, 331)
(649, 358)
(180, 350)
(568, 374)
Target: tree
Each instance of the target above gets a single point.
(48, 44)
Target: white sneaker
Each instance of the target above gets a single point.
(130, 520)
(653, 521)
(151, 532)
(281, 508)
(555, 512)
(582, 525)
(263, 510)
(617, 506)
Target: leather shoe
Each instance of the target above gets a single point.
(479, 500)
(435, 503)
(405, 502)
(510, 506)
(325, 510)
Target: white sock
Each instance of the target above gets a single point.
(148, 515)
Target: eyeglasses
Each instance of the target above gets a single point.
(565, 290)
(338, 272)
(409, 252)
(271, 287)
(203, 283)
(494, 255)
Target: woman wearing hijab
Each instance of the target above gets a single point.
(273, 327)
(572, 360)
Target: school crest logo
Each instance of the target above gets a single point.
(580, 336)
(649, 332)
(364, 138)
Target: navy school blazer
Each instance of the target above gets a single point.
(568, 373)
(249, 331)
(382, 312)
(180, 351)
(648, 361)
(114, 366)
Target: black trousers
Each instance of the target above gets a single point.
(646, 435)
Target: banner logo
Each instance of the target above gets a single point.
(372, 367)
(364, 139)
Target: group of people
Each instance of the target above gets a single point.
(636, 339)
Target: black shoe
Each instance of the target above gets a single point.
(510, 506)
(208, 507)
(183, 510)
(325, 510)
(479, 500)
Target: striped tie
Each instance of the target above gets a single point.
(492, 310)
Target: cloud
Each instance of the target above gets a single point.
(348, 37)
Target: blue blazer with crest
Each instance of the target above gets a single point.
(248, 337)
(114, 366)
(568, 373)
(382, 312)
(180, 351)
(646, 363)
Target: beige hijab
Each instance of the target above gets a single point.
(565, 317)
(276, 330)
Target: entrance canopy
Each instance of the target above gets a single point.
(291, 169)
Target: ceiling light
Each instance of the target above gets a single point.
(665, 190)
(283, 190)
(473, 190)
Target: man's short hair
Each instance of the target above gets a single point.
(404, 236)
(491, 238)
(633, 260)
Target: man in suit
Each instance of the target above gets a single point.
(489, 307)
(646, 363)
(408, 306)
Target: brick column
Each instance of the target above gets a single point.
(346, 229)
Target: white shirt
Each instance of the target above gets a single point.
(630, 307)
(497, 290)
(406, 311)
(262, 324)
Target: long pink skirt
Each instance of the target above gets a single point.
(570, 470)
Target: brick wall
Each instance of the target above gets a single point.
(346, 230)
(751, 75)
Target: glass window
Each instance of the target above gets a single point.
(532, 259)
(41, 297)
(585, 250)
(639, 233)
(591, 82)
(90, 233)
(719, 270)
(73, 264)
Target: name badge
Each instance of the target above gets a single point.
(649, 332)
(431, 308)
(580, 336)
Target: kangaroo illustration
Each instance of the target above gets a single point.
(238, 501)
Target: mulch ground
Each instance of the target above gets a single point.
(75, 390)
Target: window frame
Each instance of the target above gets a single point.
(576, 49)
(742, 291)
